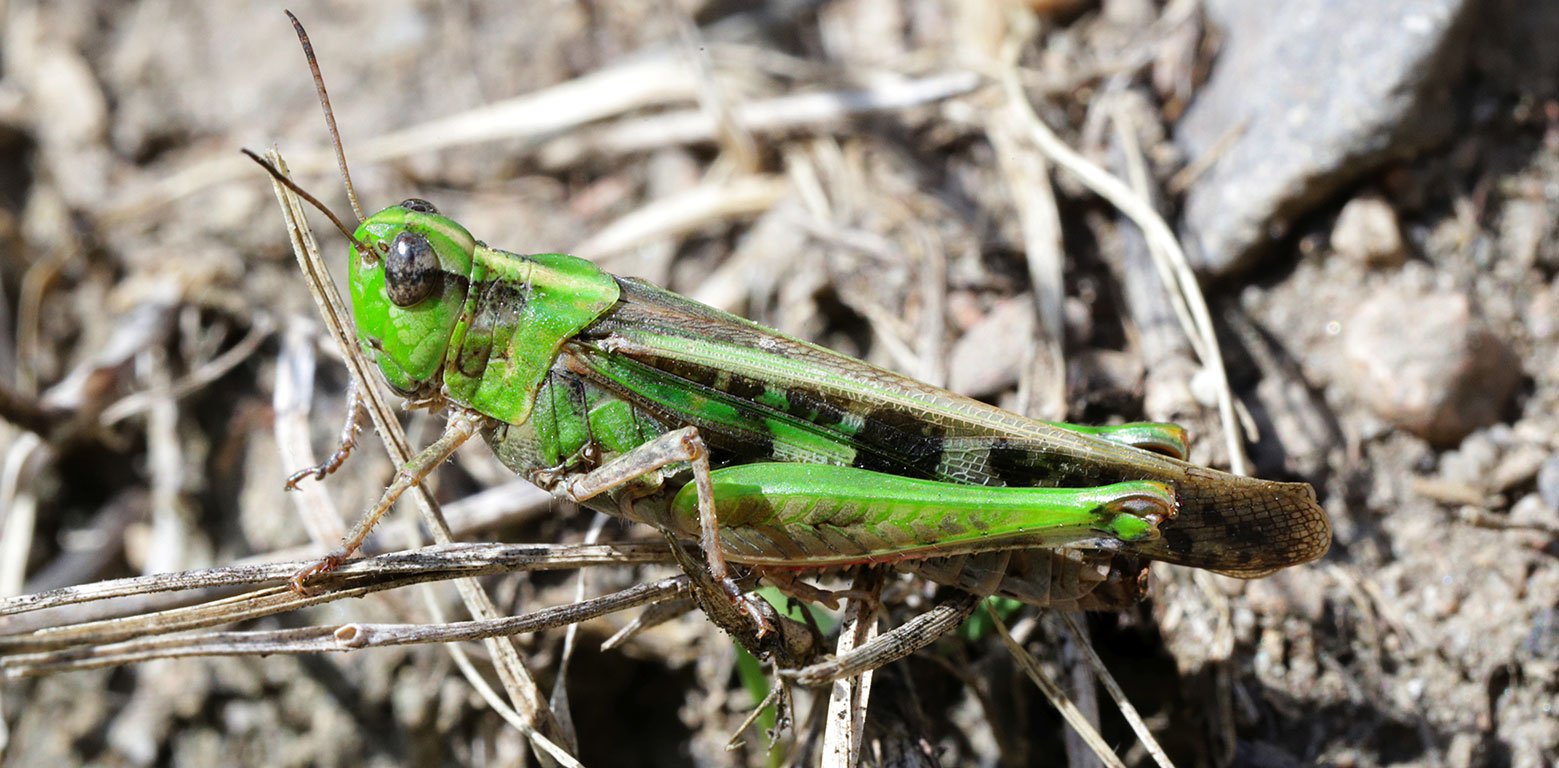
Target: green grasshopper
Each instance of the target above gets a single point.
(772, 452)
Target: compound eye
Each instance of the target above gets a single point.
(418, 205)
(411, 272)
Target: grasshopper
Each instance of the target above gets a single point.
(771, 452)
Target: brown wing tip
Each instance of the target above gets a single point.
(1243, 527)
(1306, 535)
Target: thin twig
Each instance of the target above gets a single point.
(347, 637)
(438, 561)
(1058, 697)
(907, 638)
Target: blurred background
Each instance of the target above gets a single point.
(1367, 192)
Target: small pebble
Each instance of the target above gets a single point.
(1517, 468)
(1530, 511)
(1425, 361)
(1543, 641)
(1471, 462)
(1367, 231)
(1548, 482)
(1305, 98)
(1542, 314)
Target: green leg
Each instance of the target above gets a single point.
(809, 515)
(1158, 437)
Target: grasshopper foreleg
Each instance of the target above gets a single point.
(460, 428)
(344, 443)
(674, 447)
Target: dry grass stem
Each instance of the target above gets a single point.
(844, 726)
(291, 400)
(807, 111)
(202, 376)
(1042, 389)
(1186, 293)
(561, 108)
(737, 143)
(20, 509)
(347, 637)
(882, 178)
(559, 698)
(1127, 710)
(689, 211)
(469, 671)
(1058, 698)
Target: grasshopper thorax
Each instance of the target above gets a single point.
(408, 293)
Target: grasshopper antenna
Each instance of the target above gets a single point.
(330, 115)
(366, 252)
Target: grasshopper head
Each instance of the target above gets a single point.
(407, 299)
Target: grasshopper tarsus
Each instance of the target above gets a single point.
(299, 580)
(327, 467)
(318, 472)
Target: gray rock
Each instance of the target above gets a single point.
(1306, 97)
(1426, 362)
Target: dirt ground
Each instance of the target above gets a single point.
(154, 321)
